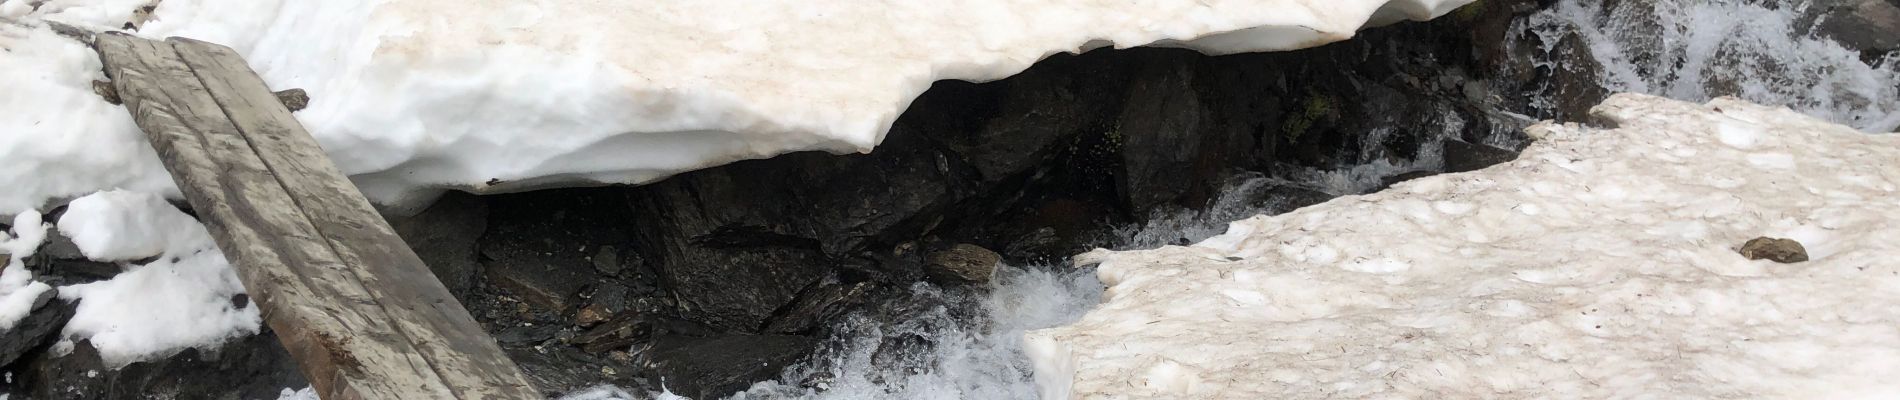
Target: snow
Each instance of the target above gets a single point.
(183, 299)
(1600, 264)
(18, 290)
(414, 96)
(299, 394)
(120, 225)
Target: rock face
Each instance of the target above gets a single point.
(712, 367)
(1869, 26)
(38, 328)
(963, 263)
(444, 237)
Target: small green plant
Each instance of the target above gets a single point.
(1314, 108)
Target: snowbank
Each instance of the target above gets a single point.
(1600, 264)
(411, 96)
(18, 290)
(189, 297)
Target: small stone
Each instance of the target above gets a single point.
(964, 263)
(105, 90)
(294, 99)
(607, 261)
(1785, 251)
(589, 316)
(620, 356)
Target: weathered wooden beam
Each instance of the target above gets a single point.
(363, 321)
(464, 356)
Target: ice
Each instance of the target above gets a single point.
(411, 97)
(188, 297)
(1600, 264)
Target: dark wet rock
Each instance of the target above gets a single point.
(544, 286)
(606, 260)
(714, 367)
(444, 236)
(1462, 157)
(39, 326)
(294, 99)
(1159, 137)
(1281, 198)
(59, 262)
(1573, 80)
(251, 367)
(1870, 26)
(527, 333)
(539, 245)
(1785, 251)
(558, 370)
(818, 305)
(963, 263)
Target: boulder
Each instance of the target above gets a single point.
(1870, 26)
(1159, 137)
(717, 366)
(963, 263)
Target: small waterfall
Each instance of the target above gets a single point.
(1696, 50)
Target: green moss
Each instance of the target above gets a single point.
(1313, 109)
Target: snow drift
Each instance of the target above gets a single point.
(1601, 263)
(414, 96)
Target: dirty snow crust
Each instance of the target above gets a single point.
(1600, 264)
(414, 96)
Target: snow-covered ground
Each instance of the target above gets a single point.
(1602, 263)
(176, 291)
(183, 298)
(411, 96)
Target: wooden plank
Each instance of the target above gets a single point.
(310, 297)
(462, 354)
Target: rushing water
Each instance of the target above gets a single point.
(1700, 49)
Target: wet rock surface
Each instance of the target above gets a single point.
(38, 328)
(1870, 26)
(715, 366)
(251, 367)
(963, 263)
